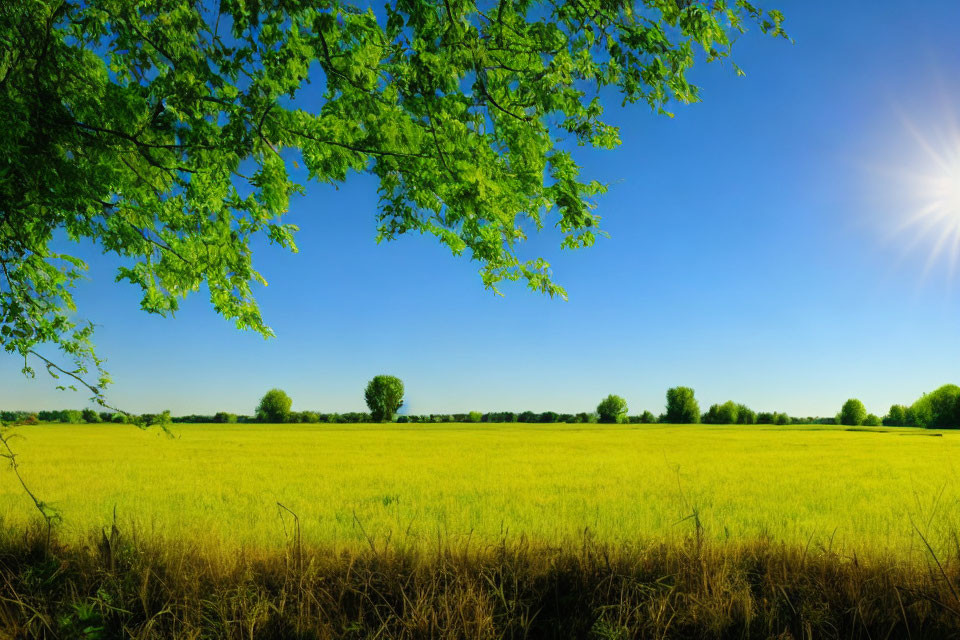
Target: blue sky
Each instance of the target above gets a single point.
(754, 256)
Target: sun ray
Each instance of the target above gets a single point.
(930, 222)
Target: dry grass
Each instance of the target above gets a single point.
(119, 587)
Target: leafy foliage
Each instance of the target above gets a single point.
(384, 395)
(852, 413)
(611, 409)
(745, 415)
(166, 131)
(682, 407)
(726, 413)
(897, 416)
(274, 406)
(939, 408)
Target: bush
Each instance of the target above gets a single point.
(937, 409)
(90, 416)
(611, 409)
(222, 417)
(582, 418)
(384, 395)
(765, 417)
(118, 418)
(647, 418)
(274, 406)
(474, 416)
(682, 407)
(853, 413)
(781, 419)
(872, 421)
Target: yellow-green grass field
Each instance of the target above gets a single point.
(853, 491)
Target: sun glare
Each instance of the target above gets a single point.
(929, 222)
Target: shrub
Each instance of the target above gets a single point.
(118, 418)
(90, 416)
(384, 395)
(647, 418)
(582, 417)
(682, 407)
(872, 421)
(937, 409)
(474, 416)
(222, 417)
(274, 406)
(611, 409)
(781, 419)
(853, 413)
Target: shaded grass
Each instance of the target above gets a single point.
(119, 586)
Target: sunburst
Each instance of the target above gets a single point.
(932, 215)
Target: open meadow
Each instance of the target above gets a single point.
(854, 491)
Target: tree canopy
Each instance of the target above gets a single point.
(168, 132)
(384, 395)
(852, 413)
(274, 406)
(612, 409)
(682, 406)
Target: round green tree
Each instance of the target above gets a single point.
(384, 395)
(274, 406)
(682, 407)
(853, 413)
(611, 409)
(897, 416)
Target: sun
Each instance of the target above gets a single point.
(930, 220)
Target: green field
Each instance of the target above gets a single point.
(852, 491)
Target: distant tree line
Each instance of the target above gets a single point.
(384, 396)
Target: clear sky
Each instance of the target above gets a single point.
(756, 253)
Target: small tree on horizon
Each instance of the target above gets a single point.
(611, 409)
(746, 415)
(726, 413)
(897, 416)
(682, 407)
(384, 395)
(852, 414)
(274, 406)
